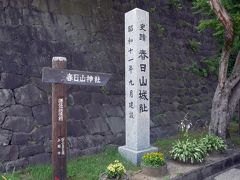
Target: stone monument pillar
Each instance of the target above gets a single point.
(137, 83)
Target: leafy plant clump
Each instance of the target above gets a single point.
(153, 159)
(194, 45)
(4, 178)
(160, 29)
(212, 142)
(176, 4)
(115, 170)
(188, 151)
(206, 67)
(211, 22)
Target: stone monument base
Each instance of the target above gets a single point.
(133, 155)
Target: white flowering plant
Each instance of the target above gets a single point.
(185, 125)
(115, 170)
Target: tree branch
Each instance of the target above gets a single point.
(234, 83)
(226, 20)
(234, 99)
(236, 68)
(232, 80)
(235, 76)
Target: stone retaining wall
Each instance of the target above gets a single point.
(90, 33)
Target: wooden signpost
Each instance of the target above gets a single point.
(59, 76)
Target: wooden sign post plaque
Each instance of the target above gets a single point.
(59, 76)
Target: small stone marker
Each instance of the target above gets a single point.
(59, 76)
(137, 81)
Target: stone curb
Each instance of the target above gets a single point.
(211, 169)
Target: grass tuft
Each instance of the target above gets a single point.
(84, 168)
(90, 167)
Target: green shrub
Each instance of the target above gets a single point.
(206, 67)
(153, 159)
(175, 4)
(194, 45)
(152, 9)
(184, 24)
(188, 151)
(160, 29)
(210, 21)
(212, 142)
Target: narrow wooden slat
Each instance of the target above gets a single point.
(59, 125)
(74, 77)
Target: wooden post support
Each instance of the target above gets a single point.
(59, 123)
(59, 76)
